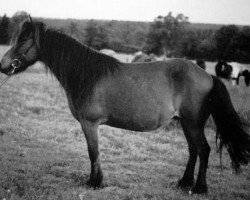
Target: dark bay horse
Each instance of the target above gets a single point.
(136, 96)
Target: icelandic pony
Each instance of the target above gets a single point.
(134, 96)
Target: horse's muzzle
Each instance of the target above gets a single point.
(5, 70)
(1, 70)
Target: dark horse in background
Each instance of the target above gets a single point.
(135, 96)
(201, 63)
(232, 71)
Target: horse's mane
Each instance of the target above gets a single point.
(77, 67)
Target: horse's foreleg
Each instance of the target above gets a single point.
(91, 133)
(187, 180)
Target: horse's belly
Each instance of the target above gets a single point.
(133, 124)
(139, 102)
(140, 116)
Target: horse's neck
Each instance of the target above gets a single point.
(77, 67)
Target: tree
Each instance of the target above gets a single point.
(189, 44)
(243, 45)
(206, 49)
(226, 39)
(244, 39)
(96, 35)
(165, 34)
(74, 31)
(4, 26)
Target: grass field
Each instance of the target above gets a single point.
(43, 153)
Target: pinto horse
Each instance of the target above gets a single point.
(135, 96)
(232, 71)
(223, 70)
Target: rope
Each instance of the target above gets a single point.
(4, 81)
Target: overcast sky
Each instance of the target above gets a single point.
(205, 11)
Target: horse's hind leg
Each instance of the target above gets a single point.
(197, 140)
(187, 180)
(91, 133)
(203, 152)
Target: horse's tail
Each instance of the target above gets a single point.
(229, 126)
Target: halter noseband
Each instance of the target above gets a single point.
(17, 62)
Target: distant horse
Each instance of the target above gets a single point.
(142, 57)
(201, 63)
(223, 70)
(134, 96)
(238, 71)
(246, 74)
(232, 71)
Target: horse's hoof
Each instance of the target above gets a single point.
(199, 190)
(185, 183)
(96, 184)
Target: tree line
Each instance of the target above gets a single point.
(170, 35)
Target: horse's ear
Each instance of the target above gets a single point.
(30, 19)
(39, 29)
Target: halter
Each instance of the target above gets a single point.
(17, 62)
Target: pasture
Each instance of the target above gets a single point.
(43, 153)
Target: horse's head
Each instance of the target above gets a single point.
(24, 51)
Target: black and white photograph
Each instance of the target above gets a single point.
(124, 100)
